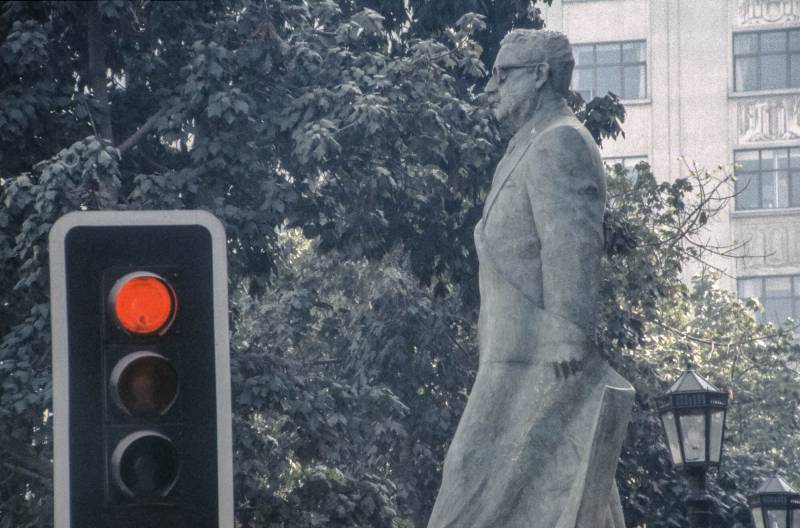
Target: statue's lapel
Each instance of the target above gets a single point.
(524, 139)
(504, 171)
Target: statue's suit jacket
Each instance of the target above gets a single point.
(538, 442)
(543, 220)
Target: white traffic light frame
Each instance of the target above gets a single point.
(60, 344)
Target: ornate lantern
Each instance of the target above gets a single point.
(693, 416)
(775, 505)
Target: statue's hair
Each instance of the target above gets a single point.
(550, 46)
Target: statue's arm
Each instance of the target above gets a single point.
(567, 194)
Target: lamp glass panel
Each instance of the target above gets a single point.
(715, 449)
(668, 419)
(776, 519)
(795, 518)
(758, 517)
(693, 427)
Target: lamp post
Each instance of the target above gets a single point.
(693, 416)
(775, 505)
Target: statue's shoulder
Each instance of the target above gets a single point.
(564, 133)
(565, 146)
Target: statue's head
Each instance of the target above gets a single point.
(530, 62)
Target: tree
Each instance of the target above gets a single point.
(346, 147)
(240, 108)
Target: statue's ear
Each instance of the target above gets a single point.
(541, 72)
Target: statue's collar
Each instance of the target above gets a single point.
(539, 121)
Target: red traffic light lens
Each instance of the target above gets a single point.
(145, 465)
(143, 303)
(144, 384)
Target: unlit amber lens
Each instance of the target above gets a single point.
(144, 384)
(144, 304)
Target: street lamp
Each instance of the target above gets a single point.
(775, 505)
(693, 416)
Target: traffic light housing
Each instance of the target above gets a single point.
(141, 378)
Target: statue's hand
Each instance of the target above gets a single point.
(569, 360)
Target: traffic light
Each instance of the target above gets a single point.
(141, 380)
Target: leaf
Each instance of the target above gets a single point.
(214, 110)
(241, 106)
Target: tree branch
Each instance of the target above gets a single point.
(722, 341)
(97, 69)
(41, 479)
(134, 138)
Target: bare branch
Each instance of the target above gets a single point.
(41, 479)
(97, 68)
(148, 125)
(726, 341)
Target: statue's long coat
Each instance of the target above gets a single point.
(538, 443)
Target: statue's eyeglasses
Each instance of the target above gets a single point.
(500, 73)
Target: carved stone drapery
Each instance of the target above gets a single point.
(758, 12)
(772, 244)
(769, 119)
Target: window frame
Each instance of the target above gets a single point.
(621, 65)
(758, 55)
(756, 177)
(794, 295)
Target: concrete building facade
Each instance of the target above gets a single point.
(714, 83)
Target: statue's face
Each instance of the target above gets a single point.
(515, 81)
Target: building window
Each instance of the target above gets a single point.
(616, 67)
(628, 163)
(766, 60)
(780, 296)
(767, 178)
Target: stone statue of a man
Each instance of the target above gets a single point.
(538, 444)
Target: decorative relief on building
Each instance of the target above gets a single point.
(772, 119)
(755, 12)
(767, 244)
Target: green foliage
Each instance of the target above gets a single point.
(654, 324)
(347, 149)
